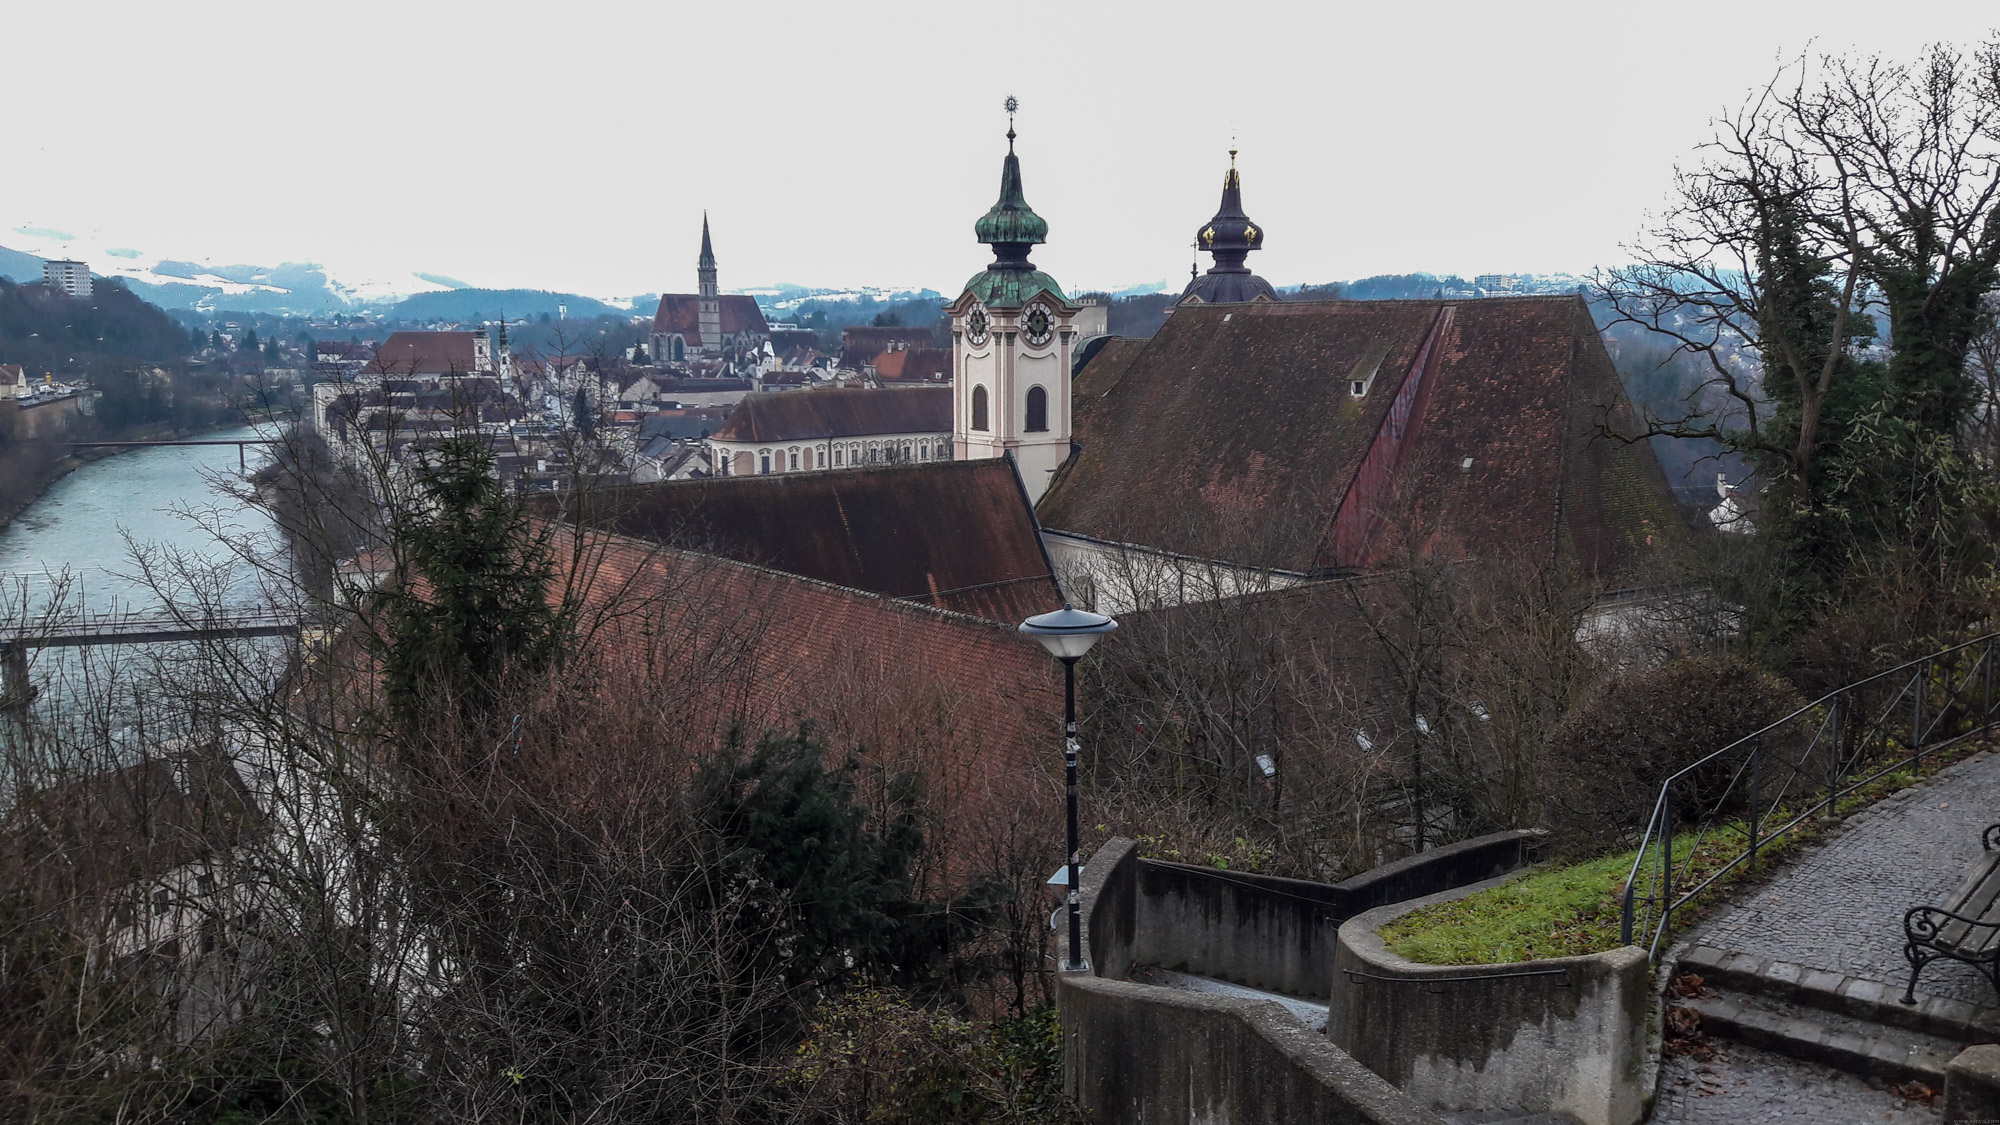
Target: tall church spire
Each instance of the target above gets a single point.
(1229, 237)
(705, 268)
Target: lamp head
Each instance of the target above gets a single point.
(1068, 633)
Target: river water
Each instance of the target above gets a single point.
(88, 524)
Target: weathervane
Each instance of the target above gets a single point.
(1012, 105)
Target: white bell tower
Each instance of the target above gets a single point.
(1012, 331)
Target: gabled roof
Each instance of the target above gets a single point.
(1233, 433)
(838, 412)
(957, 535)
(424, 353)
(916, 365)
(681, 313)
(860, 344)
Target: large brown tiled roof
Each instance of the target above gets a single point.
(838, 412)
(1233, 433)
(423, 353)
(681, 313)
(958, 535)
(970, 702)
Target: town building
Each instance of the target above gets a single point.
(708, 322)
(1262, 444)
(1012, 333)
(70, 278)
(833, 428)
(437, 356)
(1228, 238)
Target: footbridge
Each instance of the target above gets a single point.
(129, 628)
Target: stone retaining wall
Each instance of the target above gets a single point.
(1562, 1035)
(1278, 934)
(1139, 1054)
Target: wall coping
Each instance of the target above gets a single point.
(1355, 884)
(1360, 937)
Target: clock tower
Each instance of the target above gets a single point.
(1011, 335)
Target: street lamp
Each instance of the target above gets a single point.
(1068, 634)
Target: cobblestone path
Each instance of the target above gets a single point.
(1742, 1086)
(1839, 905)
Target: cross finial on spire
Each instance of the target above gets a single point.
(1012, 105)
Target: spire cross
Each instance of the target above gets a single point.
(1012, 105)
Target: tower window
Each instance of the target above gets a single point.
(979, 409)
(1038, 410)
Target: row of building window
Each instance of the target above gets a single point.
(1038, 410)
(801, 458)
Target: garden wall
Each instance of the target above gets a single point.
(1142, 1054)
(1561, 1035)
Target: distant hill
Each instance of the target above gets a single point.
(475, 304)
(20, 267)
(111, 330)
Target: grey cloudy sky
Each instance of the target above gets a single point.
(573, 146)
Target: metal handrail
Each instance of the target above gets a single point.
(1830, 726)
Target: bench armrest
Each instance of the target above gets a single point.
(1990, 838)
(1922, 923)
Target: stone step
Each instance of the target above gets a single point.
(1856, 1046)
(1828, 991)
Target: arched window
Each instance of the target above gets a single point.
(1038, 410)
(680, 348)
(793, 462)
(979, 408)
(838, 459)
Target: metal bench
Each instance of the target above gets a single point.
(1966, 928)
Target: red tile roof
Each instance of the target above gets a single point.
(838, 412)
(1233, 433)
(681, 313)
(957, 534)
(971, 703)
(860, 344)
(424, 353)
(915, 365)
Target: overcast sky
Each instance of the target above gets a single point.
(574, 146)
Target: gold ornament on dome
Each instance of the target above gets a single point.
(1250, 233)
(1208, 236)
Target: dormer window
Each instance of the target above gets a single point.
(1359, 387)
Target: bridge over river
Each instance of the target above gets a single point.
(80, 630)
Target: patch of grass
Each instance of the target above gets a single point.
(1574, 910)
(1559, 912)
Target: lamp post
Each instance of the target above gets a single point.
(1068, 634)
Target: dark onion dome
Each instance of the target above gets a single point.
(1229, 237)
(1012, 229)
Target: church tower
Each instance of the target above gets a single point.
(710, 316)
(1229, 238)
(1012, 331)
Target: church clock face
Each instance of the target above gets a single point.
(1038, 326)
(976, 326)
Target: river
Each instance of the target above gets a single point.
(81, 525)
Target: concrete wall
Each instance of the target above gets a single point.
(1560, 1035)
(1279, 934)
(1141, 1054)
